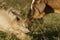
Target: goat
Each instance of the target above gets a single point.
(10, 24)
(38, 8)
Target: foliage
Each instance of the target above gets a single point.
(49, 30)
(5, 36)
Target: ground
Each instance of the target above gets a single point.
(49, 30)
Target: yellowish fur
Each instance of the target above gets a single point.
(9, 24)
(38, 7)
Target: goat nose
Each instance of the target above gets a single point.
(28, 33)
(24, 30)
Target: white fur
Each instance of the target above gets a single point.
(8, 23)
(32, 4)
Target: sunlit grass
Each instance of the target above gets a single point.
(5, 36)
(49, 30)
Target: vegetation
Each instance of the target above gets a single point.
(5, 36)
(49, 30)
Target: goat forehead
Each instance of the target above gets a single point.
(7, 13)
(12, 16)
(5, 20)
(5, 17)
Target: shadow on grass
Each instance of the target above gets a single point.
(5, 36)
(45, 36)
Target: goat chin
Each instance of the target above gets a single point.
(9, 24)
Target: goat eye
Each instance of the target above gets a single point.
(17, 18)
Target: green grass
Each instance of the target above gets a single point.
(49, 30)
(5, 36)
(22, 5)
